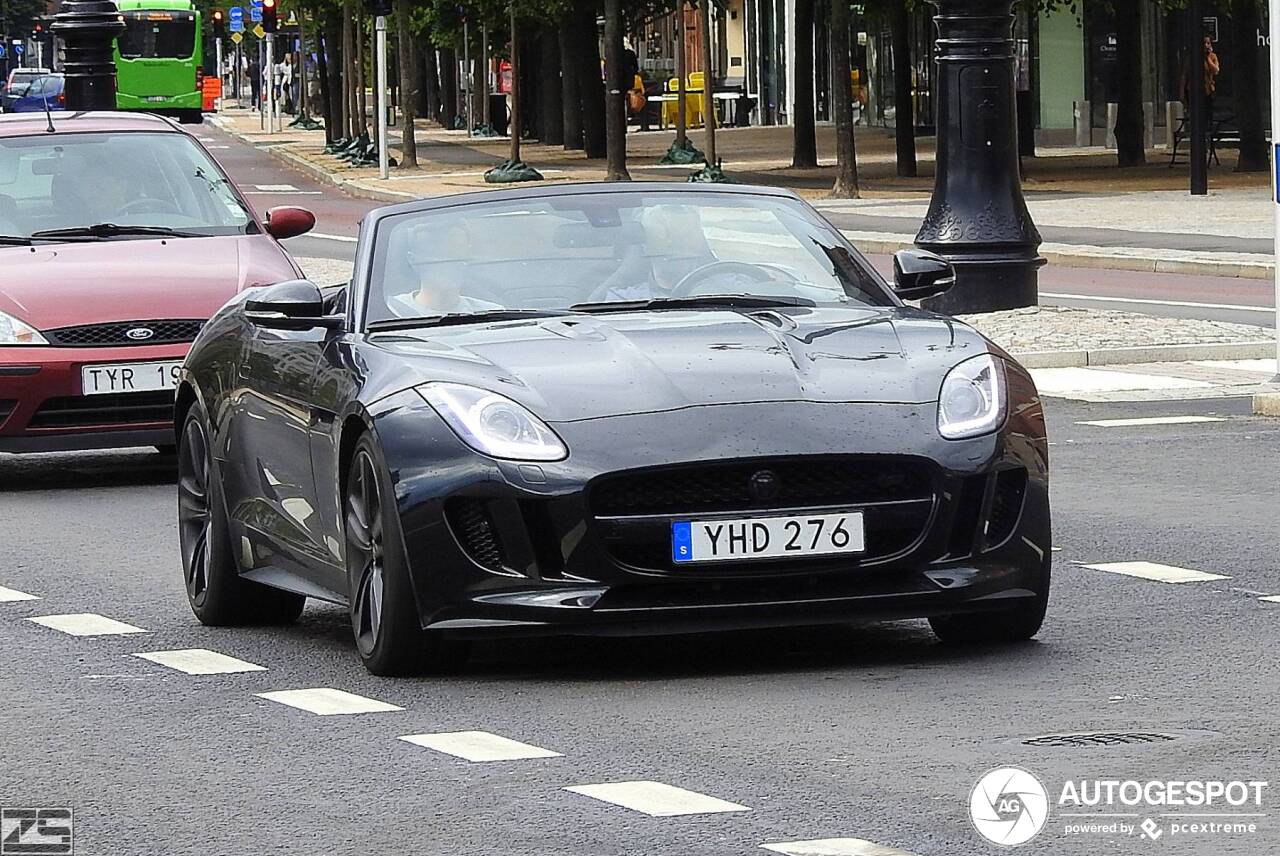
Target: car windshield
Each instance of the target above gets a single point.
(48, 85)
(129, 179)
(610, 251)
(22, 78)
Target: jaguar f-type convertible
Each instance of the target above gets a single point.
(605, 409)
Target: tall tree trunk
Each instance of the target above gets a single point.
(846, 185)
(1246, 23)
(590, 81)
(571, 83)
(903, 103)
(331, 75)
(615, 94)
(448, 86)
(804, 151)
(362, 102)
(408, 85)
(1130, 134)
(708, 84)
(349, 106)
(429, 94)
(550, 88)
(516, 107)
(682, 77)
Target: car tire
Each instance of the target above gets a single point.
(218, 595)
(167, 450)
(1003, 627)
(190, 117)
(384, 614)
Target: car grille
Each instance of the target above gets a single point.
(727, 487)
(90, 335)
(986, 509)
(121, 408)
(632, 512)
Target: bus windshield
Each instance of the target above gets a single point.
(158, 35)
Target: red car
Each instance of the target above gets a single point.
(119, 237)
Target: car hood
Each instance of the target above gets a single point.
(63, 285)
(586, 367)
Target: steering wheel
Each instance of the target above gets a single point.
(147, 205)
(695, 277)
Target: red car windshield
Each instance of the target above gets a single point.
(75, 180)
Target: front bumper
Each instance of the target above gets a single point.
(43, 408)
(504, 548)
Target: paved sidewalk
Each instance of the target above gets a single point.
(1090, 212)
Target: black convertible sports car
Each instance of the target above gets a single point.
(609, 409)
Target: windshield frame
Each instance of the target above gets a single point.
(373, 229)
(253, 224)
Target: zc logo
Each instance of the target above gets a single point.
(30, 831)
(1009, 806)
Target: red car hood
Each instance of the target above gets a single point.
(64, 285)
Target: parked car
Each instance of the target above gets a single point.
(119, 237)
(609, 409)
(17, 80)
(40, 94)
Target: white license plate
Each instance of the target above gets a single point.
(156, 98)
(129, 377)
(767, 537)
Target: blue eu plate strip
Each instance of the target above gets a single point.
(681, 542)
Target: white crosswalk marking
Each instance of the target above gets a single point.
(200, 661)
(1077, 380)
(86, 624)
(834, 847)
(1151, 420)
(326, 701)
(8, 595)
(1159, 573)
(275, 188)
(1271, 598)
(655, 799)
(479, 746)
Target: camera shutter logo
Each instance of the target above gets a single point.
(1009, 806)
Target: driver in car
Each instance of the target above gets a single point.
(439, 293)
(674, 247)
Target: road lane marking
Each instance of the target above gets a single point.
(655, 799)
(86, 624)
(326, 701)
(479, 746)
(200, 661)
(1139, 300)
(1271, 598)
(835, 847)
(8, 595)
(1159, 573)
(346, 239)
(1069, 380)
(1151, 420)
(275, 188)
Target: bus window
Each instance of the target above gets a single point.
(152, 35)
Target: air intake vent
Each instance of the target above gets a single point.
(1006, 506)
(473, 527)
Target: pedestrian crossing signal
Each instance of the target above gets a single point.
(219, 23)
(269, 20)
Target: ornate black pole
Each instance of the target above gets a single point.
(88, 29)
(978, 219)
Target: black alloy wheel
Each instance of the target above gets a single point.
(217, 593)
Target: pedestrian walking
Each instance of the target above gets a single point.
(286, 83)
(255, 83)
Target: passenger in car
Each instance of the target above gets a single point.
(439, 293)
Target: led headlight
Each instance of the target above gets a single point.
(16, 332)
(973, 400)
(493, 424)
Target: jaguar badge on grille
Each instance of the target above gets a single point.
(139, 334)
(764, 485)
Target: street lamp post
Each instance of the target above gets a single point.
(1274, 24)
(88, 30)
(977, 218)
(380, 33)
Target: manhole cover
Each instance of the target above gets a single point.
(1102, 738)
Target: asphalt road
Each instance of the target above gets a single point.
(876, 733)
(1241, 301)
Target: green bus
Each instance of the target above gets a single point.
(158, 59)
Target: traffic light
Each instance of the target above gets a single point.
(219, 24)
(269, 20)
(378, 8)
(37, 30)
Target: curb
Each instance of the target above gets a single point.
(1147, 354)
(1097, 259)
(1266, 404)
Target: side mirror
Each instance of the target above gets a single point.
(293, 305)
(918, 274)
(289, 222)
